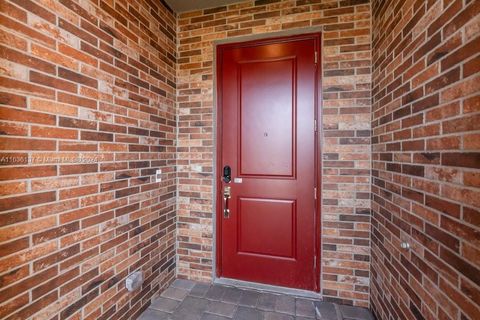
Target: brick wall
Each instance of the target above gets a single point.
(346, 132)
(426, 160)
(87, 115)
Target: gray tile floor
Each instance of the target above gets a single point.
(188, 300)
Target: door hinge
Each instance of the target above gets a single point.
(315, 193)
(316, 57)
(315, 124)
(315, 262)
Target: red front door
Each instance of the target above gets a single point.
(267, 101)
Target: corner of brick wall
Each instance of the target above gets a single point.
(87, 116)
(426, 160)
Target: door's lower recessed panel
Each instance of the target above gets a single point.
(267, 227)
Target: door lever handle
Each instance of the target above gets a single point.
(226, 196)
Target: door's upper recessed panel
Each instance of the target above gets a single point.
(267, 118)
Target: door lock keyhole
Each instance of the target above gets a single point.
(227, 174)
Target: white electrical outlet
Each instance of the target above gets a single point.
(134, 281)
(158, 175)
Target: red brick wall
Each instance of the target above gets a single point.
(88, 95)
(345, 143)
(426, 160)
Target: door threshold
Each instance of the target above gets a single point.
(267, 287)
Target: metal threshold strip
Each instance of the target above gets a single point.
(269, 288)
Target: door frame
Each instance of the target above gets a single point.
(299, 34)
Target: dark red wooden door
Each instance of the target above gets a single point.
(267, 112)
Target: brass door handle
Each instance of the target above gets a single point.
(226, 196)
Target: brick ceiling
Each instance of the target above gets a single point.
(188, 5)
